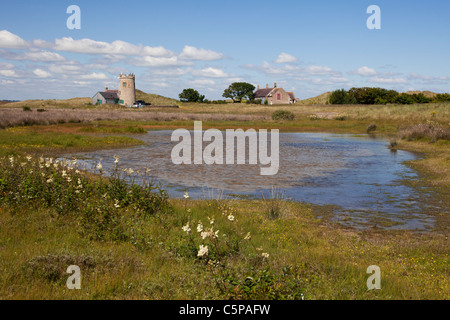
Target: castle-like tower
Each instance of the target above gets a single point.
(127, 90)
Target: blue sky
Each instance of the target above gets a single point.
(306, 46)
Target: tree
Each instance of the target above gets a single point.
(339, 97)
(191, 95)
(239, 90)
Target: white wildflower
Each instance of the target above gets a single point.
(28, 158)
(50, 180)
(247, 236)
(265, 255)
(99, 166)
(186, 195)
(231, 217)
(186, 228)
(199, 227)
(203, 251)
(64, 173)
(116, 203)
(116, 159)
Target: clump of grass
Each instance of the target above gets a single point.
(371, 128)
(283, 115)
(431, 131)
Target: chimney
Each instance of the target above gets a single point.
(257, 87)
(267, 86)
(106, 88)
(275, 85)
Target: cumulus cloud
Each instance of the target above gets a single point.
(285, 58)
(8, 73)
(41, 73)
(192, 53)
(11, 41)
(365, 72)
(210, 73)
(33, 55)
(90, 46)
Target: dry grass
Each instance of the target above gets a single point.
(10, 117)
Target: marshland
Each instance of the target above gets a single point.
(88, 185)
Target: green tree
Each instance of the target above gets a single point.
(339, 97)
(239, 90)
(191, 95)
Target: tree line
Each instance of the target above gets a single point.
(381, 96)
(237, 91)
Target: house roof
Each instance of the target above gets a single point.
(110, 94)
(292, 95)
(261, 93)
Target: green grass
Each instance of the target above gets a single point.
(19, 140)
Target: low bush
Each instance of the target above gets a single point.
(283, 115)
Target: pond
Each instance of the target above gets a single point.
(357, 174)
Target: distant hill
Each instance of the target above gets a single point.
(427, 94)
(49, 103)
(323, 98)
(320, 99)
(155, 99)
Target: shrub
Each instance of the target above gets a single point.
(283, 115)
(26, 108)
(429, 130)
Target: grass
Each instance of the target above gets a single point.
(23, 139)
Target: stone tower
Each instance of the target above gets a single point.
(127, 90)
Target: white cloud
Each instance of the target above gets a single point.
(8, 73)
(321, 71)
(170, 72)
(192, 53)
(34, 55)
(203, 82)
(285, 58)
(149, 61)
(388, 80)
(90, 46)
(12, 41)
(65, 68)
(415, 76)
(94, 76)
(210, 73)
(5, 65)
(41, 73)
(365, 72)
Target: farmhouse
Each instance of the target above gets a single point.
(274, 95)
(126, 95)
(106, 97)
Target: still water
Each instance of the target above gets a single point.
(357, 174)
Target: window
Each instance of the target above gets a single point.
(124, 84)
(278, 96)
